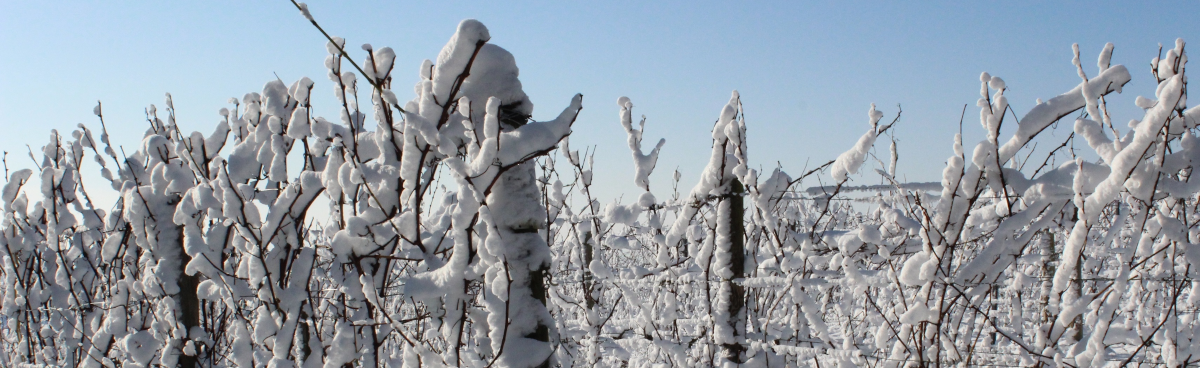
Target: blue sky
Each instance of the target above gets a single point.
(807, 72)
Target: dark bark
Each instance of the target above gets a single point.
(735, 352)
(189, 305)
(537, 285)
(589, 283)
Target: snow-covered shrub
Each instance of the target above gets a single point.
(445, 234)
(1002, 263)
(429, 250)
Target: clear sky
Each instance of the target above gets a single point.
(807, 72)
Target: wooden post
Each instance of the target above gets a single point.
(735, 352)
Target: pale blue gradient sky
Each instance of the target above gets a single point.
(807, 72)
